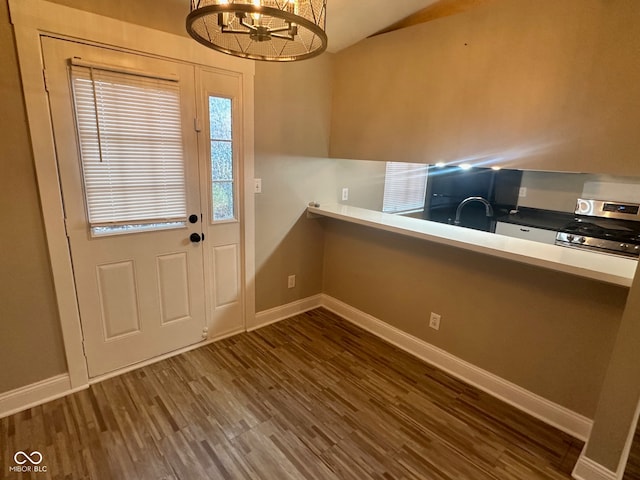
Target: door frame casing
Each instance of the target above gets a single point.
(32, 19)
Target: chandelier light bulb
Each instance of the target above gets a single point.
(256, 16)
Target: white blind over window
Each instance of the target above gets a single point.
(405, 185)
(130, 135)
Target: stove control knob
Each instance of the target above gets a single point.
(582, 240)
(570, 238)
(624, 246)
(636, 248)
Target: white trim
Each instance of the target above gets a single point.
(35, 394)
(159, 358)
(273, 315)
(37, 106)
(587, 469)
(23, 398)
(541, 408)
(248, 225)
(33, 18)
(549, 412)
(624, 458)
(41, 16)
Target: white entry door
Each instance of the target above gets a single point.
(127, 153)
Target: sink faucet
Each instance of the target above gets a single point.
(487, 206)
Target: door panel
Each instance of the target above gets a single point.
(118, 299)
(226, 275)
(173, 279)
(140, 294)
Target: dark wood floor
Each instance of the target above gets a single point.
(312, 397)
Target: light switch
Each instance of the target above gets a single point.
(257, 185)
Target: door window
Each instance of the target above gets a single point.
(223, 191)
(130, 136)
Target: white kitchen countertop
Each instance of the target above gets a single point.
(597, 266)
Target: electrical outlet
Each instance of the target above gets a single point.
(345, 194)
(257, 185)
(291, 281)
(434, 321)
(522, 192)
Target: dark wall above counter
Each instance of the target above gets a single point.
(448, 187)
(541, 203)
(537, 218)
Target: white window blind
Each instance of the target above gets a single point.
(405, 185)
(130, 135)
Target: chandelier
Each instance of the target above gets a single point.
(272, 30)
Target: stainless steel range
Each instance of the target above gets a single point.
(603, 226)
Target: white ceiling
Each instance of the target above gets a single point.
(349, 21)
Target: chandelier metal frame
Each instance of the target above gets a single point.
(245, 13)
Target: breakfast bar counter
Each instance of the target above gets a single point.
(597, 266)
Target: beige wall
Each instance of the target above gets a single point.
(543, 85)
(365, 181)
(292, 117)
(292, 112)
(31, 346)
(533, 85)
(548, 332)
(553, 190)
(558, 191)
(166, 15)
(608, 187)
(621, 390)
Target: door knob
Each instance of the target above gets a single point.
(195, 238)
(193, 218)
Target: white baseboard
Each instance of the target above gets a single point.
(541, 408)
(23, 398)
(164, 356)
(59, 386)
(549, 412)
(273, 315)
(587, 469)
(35, 394)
